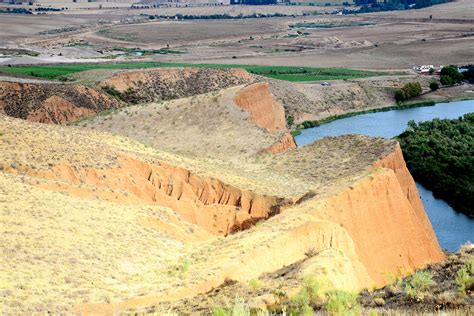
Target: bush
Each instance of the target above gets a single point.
(422, 280)
(465, 277)
(220, 311)
(290, 120)
(309, 293)
(238, 309)
(113, 92)
(418, 283)
(341, 302)
(434, 86)
(255, 284)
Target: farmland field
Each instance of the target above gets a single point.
(287, 73)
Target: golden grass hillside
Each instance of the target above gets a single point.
(97, 223)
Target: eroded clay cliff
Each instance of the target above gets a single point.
(264, 110)
(207, 202)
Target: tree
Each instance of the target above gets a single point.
(409, 90)
(400, 96)
(439, 155)
(446, 80)
(453, 73)
(468, 73)
(434, 86)
(431, 71)
(412, 89)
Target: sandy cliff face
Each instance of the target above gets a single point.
(52, 103)
(264, 110)
(385, 218)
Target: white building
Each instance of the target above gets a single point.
(423, 68)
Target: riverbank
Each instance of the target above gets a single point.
(443, 95)
(315, 123)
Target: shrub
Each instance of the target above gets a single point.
(465, 277)
(341, 302)
(113, 92)
(418, 283)
(240, 308)
(220, 311)
(309, 293)
(290, 120)
(65, 78)
(434, 86)
(255, 284)
(184, 267)
(422, 280)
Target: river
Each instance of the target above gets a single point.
(452, 228)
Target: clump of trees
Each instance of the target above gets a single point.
(390, 5)
(450, 75)
(409, 90)
(440, 155)
(468, 73)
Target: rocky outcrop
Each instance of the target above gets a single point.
(173, 83)
(52, 102)
(286, 142)
(265, 111)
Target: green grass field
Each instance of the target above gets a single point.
(56, 71)
(288, 73)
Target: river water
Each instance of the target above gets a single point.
(452, 228)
